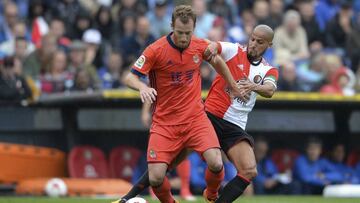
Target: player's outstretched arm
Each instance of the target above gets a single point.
(147, 94)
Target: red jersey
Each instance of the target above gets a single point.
(175, 75)
(218, 101)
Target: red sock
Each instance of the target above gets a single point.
(183, 171)
(213, 182)
(163, 192)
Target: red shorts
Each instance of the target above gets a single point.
(166, 141)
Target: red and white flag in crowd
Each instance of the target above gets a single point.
(39, 29)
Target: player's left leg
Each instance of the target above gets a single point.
(243, 157)
(202, 138)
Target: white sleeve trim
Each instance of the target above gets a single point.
(228, 50)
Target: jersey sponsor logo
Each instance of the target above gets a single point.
(257, 79)
(152, 154)
(140, 62)
(180, 78)
(196, 58)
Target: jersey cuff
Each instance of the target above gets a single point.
(138, 73)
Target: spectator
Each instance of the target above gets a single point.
(110, 75)
(288, 80)
(222, 8)
(353, 44)
(56, 79)
(68, 10)
(276, 13)
(204, 20)
(337, 157)
(133, 45)
(269, 180)
(126, 26)
(104, 23)
(159, 19)
(13, 87)
(82, 23)
(95, 50)
(77, 61)
(123, 7)
(261, 11)
(311, 75)
(38, 61)
(240, 33)
(357, 169)
(325, 10)
(338, 29)
(10, 19)
(57, 28)
(311, 26)
(313, 171)
(290, 41)
(22, 49)
(83, 81)
(19, 31)
(342, 82)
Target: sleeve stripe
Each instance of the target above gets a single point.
(138, 73)
(272, 82)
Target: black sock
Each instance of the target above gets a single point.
(140, 185)
(232, 190)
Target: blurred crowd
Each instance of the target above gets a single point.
(52, 46)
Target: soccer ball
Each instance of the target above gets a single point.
(55, 187)
(137, 200)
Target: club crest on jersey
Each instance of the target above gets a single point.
(257, 79)
(152, 154)
(196, 58)
(140, 62)
(241, 66)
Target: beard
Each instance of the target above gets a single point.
(254, 57)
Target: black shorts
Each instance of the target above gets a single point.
(228, 133)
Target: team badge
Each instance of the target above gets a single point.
(152, 154)
(257, 79)
(196, 58)
(140, 62)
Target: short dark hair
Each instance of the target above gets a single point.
(313, 140)
(185, 13)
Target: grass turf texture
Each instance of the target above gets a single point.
(257, 199)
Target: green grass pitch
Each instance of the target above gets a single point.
(257, 199)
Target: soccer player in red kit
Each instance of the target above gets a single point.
(229, 115)
(179, 120)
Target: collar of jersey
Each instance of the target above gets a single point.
(254, 63)
(172, 43)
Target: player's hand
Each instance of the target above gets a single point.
(148, 94)
(211, 51)
(246, 86)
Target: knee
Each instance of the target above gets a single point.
(213, 160)
(156, 179)
(249, 173)
(215, 165)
